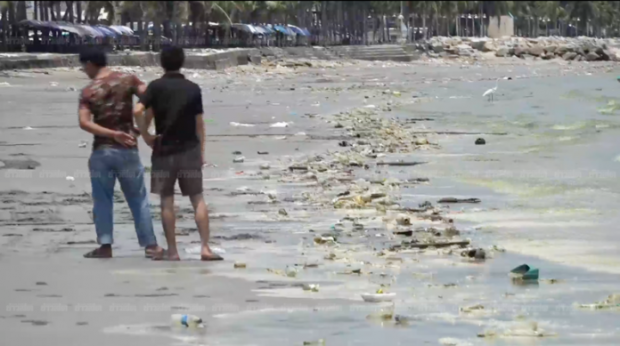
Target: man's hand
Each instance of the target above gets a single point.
(124, 139)
(149, 139)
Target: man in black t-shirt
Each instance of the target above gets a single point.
(178, 148)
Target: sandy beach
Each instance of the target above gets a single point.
(341, 160)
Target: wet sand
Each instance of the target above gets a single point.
(52, 293)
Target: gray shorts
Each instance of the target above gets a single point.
(186, 167)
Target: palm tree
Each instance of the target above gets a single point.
(4, 10)
(584, 11)
(449, 9)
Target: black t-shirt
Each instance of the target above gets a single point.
(175, 102)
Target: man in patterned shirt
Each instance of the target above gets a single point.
(105, 110)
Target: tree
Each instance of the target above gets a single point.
(584, 11)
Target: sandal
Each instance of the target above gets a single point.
(214, 257)
(99, 253)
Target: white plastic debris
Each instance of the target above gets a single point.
(187, 321)
(310, 287)
(238, 159)
(240, 124)
(290, 272)
(280, 124)
(28, 128)
(54, 84)
(370, 106)
(378, 297)
(195, 250)
(82, 145)
(70, 178)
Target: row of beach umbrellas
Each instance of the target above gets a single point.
(81, 30)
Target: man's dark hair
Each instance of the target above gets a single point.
(172, 58)
(94, 56)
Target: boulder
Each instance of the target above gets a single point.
(568, 56)
(451, 50)
(563, 49)
(477, 45)
(578, 58)
(489, 46)
(465, 50)
(547, 56)
(519, 51)
(605, 55)
(550, 49)
(504, 51)
(437, 48)
(536, 50)
(592, 56)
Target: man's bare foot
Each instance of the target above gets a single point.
(207, 255)
(104, 251)
(153, 250)
(166, 255)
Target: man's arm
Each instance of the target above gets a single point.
(200, 132)
(139, 89)
(200, 124)
(87, 124)
(144, 121)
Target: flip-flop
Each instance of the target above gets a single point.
(151, 253)
(163, 257)
(96, 253)
(215, 257)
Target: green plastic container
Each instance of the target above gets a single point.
(525, 273)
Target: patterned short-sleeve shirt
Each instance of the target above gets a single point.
(110, 101)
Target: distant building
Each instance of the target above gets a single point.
(502, 26)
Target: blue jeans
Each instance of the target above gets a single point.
(106, 165)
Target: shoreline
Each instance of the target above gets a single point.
(261, 96)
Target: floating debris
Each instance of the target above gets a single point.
(241, 125)
(524, 273)
(527, 329)
(458, 200)
(612, 302)
(281, 124)
(470, 309)
(240, 265)
(310, 287)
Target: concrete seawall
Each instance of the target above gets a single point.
(213, 61)
(219, 60)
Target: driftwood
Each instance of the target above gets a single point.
(462, 243)
(400, 163)
(458, 200)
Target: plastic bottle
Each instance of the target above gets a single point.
(188, 321)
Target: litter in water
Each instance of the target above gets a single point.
(524, 273)
(240, 124)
